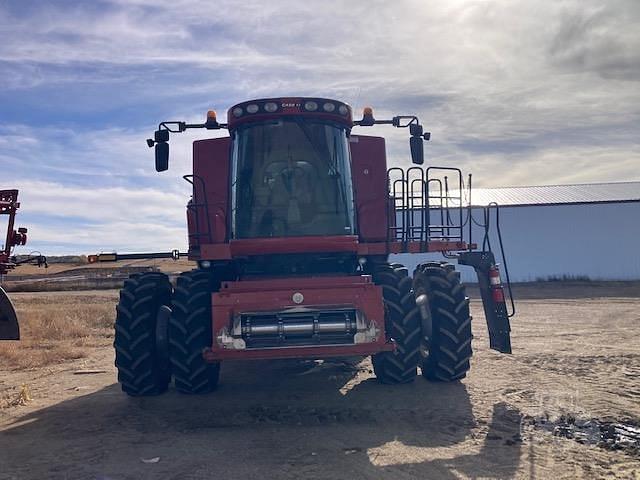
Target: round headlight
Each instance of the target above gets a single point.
(271, 107)
(328, 107)
(311, 106)
(343, 110)
(237, 112)
(252, 108)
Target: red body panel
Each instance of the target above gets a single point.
(276, 295)
(369, 170)
(386, 248)
(207, 218)
(269, 246)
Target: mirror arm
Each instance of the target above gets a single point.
(418, 135)
(160, 138)
(398, 121)
(179, 127)
(208, 126)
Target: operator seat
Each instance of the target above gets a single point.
(291, 202)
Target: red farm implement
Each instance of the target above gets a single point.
(9, 328)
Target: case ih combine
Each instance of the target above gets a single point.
(291, 222)
(9, 328)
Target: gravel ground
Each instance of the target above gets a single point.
(550, 410)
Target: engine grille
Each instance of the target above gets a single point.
(297, 328)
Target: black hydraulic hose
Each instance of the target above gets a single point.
(475, 222)
(504, 258)
(486, 241)
(469, 210)
(469, 220)
(446, 200)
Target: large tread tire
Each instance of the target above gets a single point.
(9, 327)
(402, 324)
(190, 333)
(449, 348)
(140, 372)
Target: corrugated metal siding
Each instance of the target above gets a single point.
(599, 241)
(558, 194)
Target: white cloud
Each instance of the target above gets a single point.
(120, 236)
(99, 205)
(93, 158)
(518, 92)
(62, 218)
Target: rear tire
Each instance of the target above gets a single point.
(190, 333)
(140, 371)
(449, 347)
(402, 324)
(9, 327)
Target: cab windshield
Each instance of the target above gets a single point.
(291, 177)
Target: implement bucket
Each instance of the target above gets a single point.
(9, 329)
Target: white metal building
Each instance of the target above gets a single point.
(587, 230)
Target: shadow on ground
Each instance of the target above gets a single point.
(269, 420)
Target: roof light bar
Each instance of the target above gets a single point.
(310, 106)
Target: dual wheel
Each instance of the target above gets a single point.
(160, 332)
(437, 336)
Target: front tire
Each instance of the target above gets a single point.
(190, 333)
(140, 371)
(402, 324)
(449, 343)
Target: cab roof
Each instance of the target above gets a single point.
(266, 108)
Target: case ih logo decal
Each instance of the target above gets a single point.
(291, 104)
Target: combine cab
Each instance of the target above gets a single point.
(291, 222)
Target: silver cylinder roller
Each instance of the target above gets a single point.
(299, 328)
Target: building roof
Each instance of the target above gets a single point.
(558, 194)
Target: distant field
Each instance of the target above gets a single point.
(164, 265)
(85, 276)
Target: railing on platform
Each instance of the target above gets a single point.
(429, 205)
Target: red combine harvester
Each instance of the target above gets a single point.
(9, 328)
(291, 222)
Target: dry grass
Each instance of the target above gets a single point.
(58, 327)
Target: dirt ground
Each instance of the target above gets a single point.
(576, 361)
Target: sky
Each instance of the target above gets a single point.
(517, 92)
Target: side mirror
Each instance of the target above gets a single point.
(162, 156)
(417, 150)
